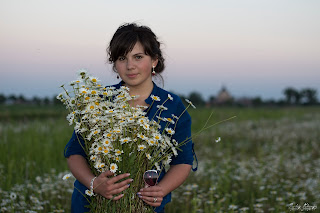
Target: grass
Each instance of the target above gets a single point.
(267, 160)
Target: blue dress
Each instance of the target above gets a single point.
(182, 131)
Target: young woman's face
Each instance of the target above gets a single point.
(135, 67)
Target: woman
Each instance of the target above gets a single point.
(136, 56)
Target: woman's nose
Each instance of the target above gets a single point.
(130, 64)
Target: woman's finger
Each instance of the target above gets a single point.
(152, 201)
(118, 177)
(120, 189)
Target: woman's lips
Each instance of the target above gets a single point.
(132, 75)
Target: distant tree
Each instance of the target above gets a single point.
(196, 99)
(46, 101)
(36, 100)
(297, 97)
(309, 96)
(12, 98)
(290, 94)
(257, 101)
(3, 99)
(21, 99)
(212, 99)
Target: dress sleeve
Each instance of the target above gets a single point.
(75, 146)
(183, 133)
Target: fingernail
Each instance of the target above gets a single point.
(131, 180)
(138, 193)
(128, 184)
(141, 190)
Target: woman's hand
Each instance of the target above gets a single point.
(152, 195)
(107, 186)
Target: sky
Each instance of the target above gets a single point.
(252, 47)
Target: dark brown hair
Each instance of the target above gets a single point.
(127, 35)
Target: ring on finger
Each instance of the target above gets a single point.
(155, 199)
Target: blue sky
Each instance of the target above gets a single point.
(254, 48)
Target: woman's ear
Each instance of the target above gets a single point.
(155, 62)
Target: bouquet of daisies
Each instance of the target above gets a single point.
(119, 137)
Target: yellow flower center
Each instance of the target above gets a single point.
(87, 98)
(91, 107)
(93, 92)
(94, 80)
(84, 92)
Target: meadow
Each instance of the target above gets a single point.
(268, 160)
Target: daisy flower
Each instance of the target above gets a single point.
(113, 167)
(89, 192)
(146, 127)
(125, 140)
(174, 116)
(82, 72)
(157, 136)
(155, 98)
(157, 166)
(141, 147)
(106, 142)
(190, 103)
(162, 107)
(118, 159)
(94, 79)
(218, 140)
(170, 131)
(13, 196)
(169, 120)
(175, 142)
(142, 136)
(170, 97)
(93, 157)
(174, 150)
(118, 152)
(148, 156)
(151, 142)
(67, 176)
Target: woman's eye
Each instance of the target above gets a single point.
(138, 57)
(121, 58)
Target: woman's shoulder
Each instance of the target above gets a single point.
(173, 102)
(173, 98)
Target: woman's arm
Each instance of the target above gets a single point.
(103, 184)
(176, 175)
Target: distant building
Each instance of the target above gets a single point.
(223, 96)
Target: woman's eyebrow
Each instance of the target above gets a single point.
(138, 53)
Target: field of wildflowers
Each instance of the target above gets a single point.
(268, 160)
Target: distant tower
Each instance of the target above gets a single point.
(223, 96)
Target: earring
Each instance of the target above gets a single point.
(153, 72)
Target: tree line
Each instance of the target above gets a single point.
(291, 97)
